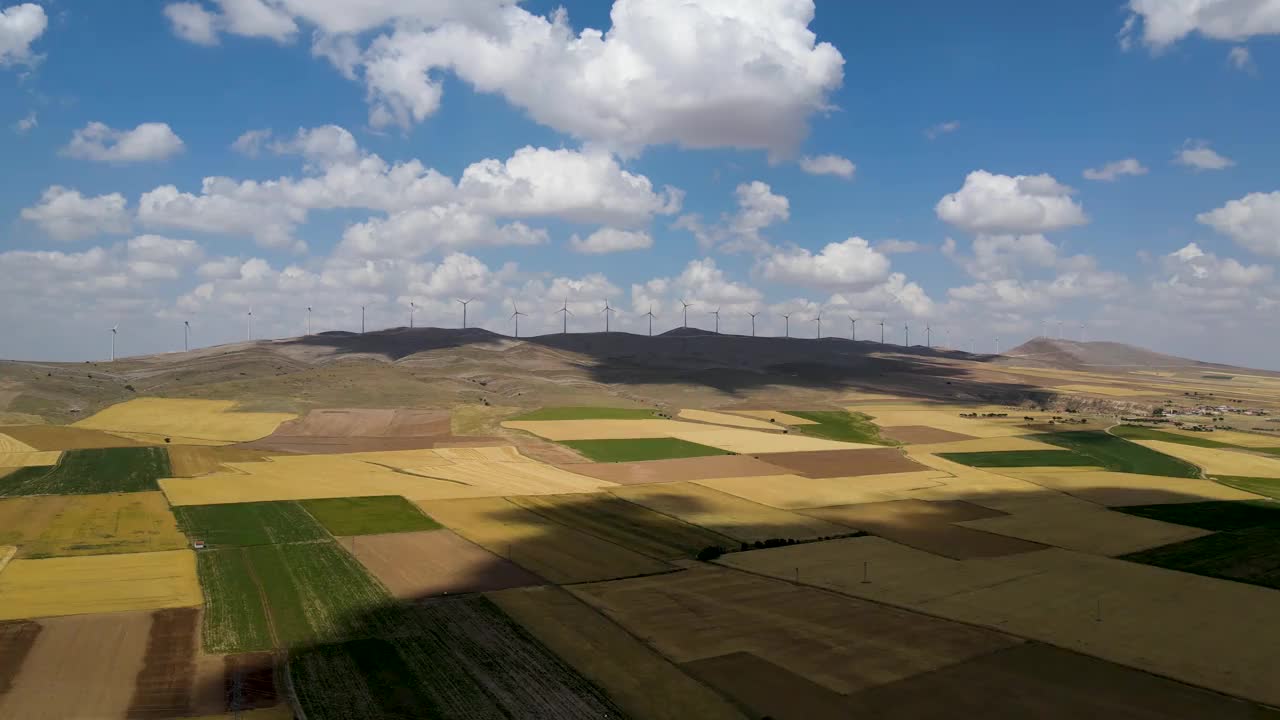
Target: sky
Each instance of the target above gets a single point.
(992, 171)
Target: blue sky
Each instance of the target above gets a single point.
(684, 134)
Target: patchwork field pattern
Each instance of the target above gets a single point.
(88, 472)
(731, 420)
(894, 415)
(640, 449)
(793, 492)
(196, 460)
(727, 514)
(66, 437)
(89, 524)
(246, 524)
(368, 515)
(841, 425)
(1111, 488)
(843, 463)
(739, 440)
(414, 565)
(929, 526)
(642, 682)
(1020, 458)
(1244, 548)
(201, 420)
(1083, 526)
(774, 415)
(677, 470)
(1116, 454)
(585, 413)
(41, 458)
(1219, 462)
(921, 434)
(98, 583)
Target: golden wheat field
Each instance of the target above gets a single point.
(6, 554)
(1232, 437)
(991, 444)
(1109, 390)
(1219, 462)
(40, 458)
(194, 420)
(726, 514)
(11, 445)
(1114, 488)
(942, 419)
(753, 442)
(791, 492)
(558, 430)
(732, 439)
(1086, 527)
(731, 420)
(195, 460)
(778, 418)
(99, 583)
(89, 524)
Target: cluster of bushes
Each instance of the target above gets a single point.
(985, 415)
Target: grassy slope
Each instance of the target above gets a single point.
(641, 449)
(626, 524)
(1020, 458)
(369, 515)
(87, 472)
(1133, 432)
(841, 425)
(1268, 487)
(247, 524)
(1244, 548)
(586, 413)
(1119, 455)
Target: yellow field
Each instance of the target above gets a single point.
(99, 583)
(642, 682)
(739, 440)
(10, 445)
(1219, 462)
(194, 420)
(597, 429)
(793, 492)
(985, 444)
(775, 416)
(1113, 488)
(194, 460)
(734, 420)
(158, 439)
(1232, 437)
(726, 514)
(65, 437)
(30, 459)
(1083, 526)
(1108, 390)
(948, 419)
(415, 474)
(1203, 631)
(750, 442)
(6, 554)
(89, 524)
(556, 552)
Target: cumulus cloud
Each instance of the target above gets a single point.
(945, 128)
(1113, 170)
(849, 265)
(258, 210)
(413, 233)
(251, 142)
(1253, 221)
(1021, 204)
(20, 26)
(610, 240)
(1197, 155)
(195, 23)
(155, 257)
(191, 22)
(25, 124)
(1164, 22)
(828, 165)
(1240, 58)
(146, 142)
(1190, 264)
(758, 208)
(65, 214)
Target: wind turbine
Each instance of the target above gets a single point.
(716, 312)
(906, 335)
(787, 326)
(567, 312)
(997, 344)
(308, 319)
(753, 323)
(607, 312)
(651, 316)
(881, 332)
(1081, 332)
(516, 314)
(465, 303)
(686, 311)
(853, 328)
(818, 319)
(249, 325)
(413, 307)
(361, 319)
(113, 342)
(186, 335)
(928, 336)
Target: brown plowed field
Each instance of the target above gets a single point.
(163, 686)
(82, 666)
(842, 463)
(434, 562)
(250, 677)
(194, 460)
(16, 639)
(913, 434)
(768, 690)
(677, 470)
(64, 437)
(354, 430)
(927, 525)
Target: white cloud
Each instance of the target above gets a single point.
(1165, 22)
(258, 210)
(990, 203)
(1240, 58)
(154, 257)
(893, 246)
(828, 165)
(937, 131)
(24, 125)
(192, 23)
(1113, 170)
(324, 145)
(1253, 221)
(223, 267)
(251, 142)
(611, 240)
(20, 25)
(1190, 264)
(413, 233)
(849, 265)
(65, 214)
(146, 142)
(1197, 154)
(758, 208)
(195, 23)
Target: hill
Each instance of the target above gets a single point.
(1101, 356)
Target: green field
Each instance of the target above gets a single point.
(641, 449)
(456, 658)
(841, 425)
(245, 524)
(306, 592)
(89, 472)
(1019, 458)
(587, 413)
(624, 523)
(1133, 432)
(1245, 546)
(1267, 487)
(369, 515)
(1119, 455)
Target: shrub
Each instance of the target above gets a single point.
(710, 552)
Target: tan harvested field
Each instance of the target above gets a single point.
(13, 445)
(727, 514)
(920, 434)
(768, 690)
(551, 550)
(1225, 636)
(83, 666)
(1000, 444)
(348, 430)
(1086, 527)
(598, 429)
(198, 420)
(1118, 489)
(1109, 390)
(676, 470)
(840, 643)
(415, 474)
(195, 460)
(739, 440)
(843, 463)
(1219, 462)
(792, 492)
(42, 458)
(949, 420)
(734, 420)
(774, 415)
(89, 524)
(1231, 437)
(751, 442)
(7, 552)
(928, 526)
(98, 584)
(434, 562)
(642, 682)
(66, 437)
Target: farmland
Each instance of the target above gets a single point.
(731, 420)
(196, 420)
(245, 524)
(586, 413)
(1265, 487)
(98, 583)
(50, 525)
(631, 450)
(1020, 458)
(726, 514)
(87, 472)
(368, 515)
(841, 425)
(415, 565)
(1216, 461)
(1244, 548)
(1121, 455)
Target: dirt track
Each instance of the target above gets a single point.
(677, 470)
(842, 463)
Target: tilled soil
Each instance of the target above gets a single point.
(677, 470)
(163, 687)
(843, 463)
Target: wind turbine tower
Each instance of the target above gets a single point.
(997, 344)
(881, 332)
(787, 326)
(186, 335)
(818, 319)
(361, 319)
(651, 316)
(113, 342)
(566, 312)
(906, 336)
(853, 328)
(516, 316)
(753, 323)
(413, 307)
(465, 303)
(249, 325)
(716, 312)
(686, 311)
(308, 319)
(928, 336)
(607, 312)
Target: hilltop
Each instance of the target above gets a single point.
(1072, 355)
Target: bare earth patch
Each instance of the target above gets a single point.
(163, 685)
(676, 470)
(928, 526)
(843, 463)
(347, 430)
(915, 434)
(415, 565)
